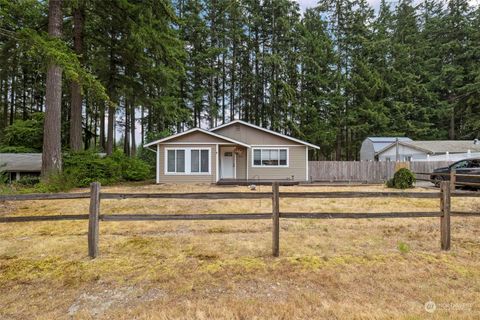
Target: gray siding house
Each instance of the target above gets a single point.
(235, 151)
(372, 145)
(423, 150)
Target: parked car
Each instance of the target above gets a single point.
(466, 166)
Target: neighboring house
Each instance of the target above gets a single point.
(18, 165)
(424, 150)
(372, 145)
(235, 150)
(452, 157)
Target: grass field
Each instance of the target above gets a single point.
(338, 269)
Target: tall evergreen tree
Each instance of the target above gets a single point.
(52, 148)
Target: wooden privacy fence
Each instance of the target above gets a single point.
(95, 216)
(365, 171)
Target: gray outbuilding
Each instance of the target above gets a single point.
(372, 145)
(18, 165)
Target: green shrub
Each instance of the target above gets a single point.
(402, 179)
(403, 247)
(132, 169)
(82, 168)
(24, 135)
(3, 177)
(390, 183)
(149, 157)
(21, 149)
(28, 181)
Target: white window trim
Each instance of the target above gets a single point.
(270, 148)
(188, 163)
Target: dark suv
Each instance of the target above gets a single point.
(467, 166)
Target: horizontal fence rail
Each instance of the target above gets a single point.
(369, 215)
(44, 196)
(170, 217)
(95, 216)
(355, 194)
(45, 218)
(202, 196)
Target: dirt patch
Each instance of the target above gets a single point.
(96, 303)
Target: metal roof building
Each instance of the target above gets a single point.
(372, 145)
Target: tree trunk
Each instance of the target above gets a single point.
(5, 102)
(76, 106)
(12, 99)
(52, 149)
(88, 134)
(102, 127)
(111, 119)
(24, 95)
(132, 129)
(142, 125)
(126, 137)
(111, 88)
(451, 132)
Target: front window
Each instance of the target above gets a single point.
(270, 157)
(199, 160)
(187, 161)
(176, 160)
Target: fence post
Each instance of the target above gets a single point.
(445, 204)
(93, 220)
(275, 220)
(453, 180)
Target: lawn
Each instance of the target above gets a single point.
(362, 269)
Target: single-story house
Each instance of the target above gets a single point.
(236, 151)
(18, 165)
(423, 150)
(452, 157)
(372, 145)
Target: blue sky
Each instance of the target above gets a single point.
(311, 3)
(375, 3)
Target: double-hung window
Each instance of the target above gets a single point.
(176, 161)
(187, 161)
(199, 161)
(270, 157)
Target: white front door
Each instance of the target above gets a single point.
(228, 163)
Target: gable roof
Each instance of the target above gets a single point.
(195, 130)
(13, 162)
(440, 146)
(265, 130)
(379, 143)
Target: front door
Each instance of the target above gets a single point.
(228, 163)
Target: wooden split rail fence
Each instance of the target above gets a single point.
(96, 196)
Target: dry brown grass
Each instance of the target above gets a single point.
(386, 268)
